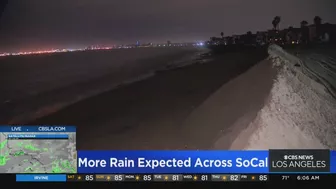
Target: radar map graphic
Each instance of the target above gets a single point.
(38, 156)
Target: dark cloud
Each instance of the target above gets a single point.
(72, 23)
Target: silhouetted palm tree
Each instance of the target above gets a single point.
(317, 20)
(276, 22)
(222, 34)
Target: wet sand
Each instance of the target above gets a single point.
(229, 111)
(34, 86)
(185, 108)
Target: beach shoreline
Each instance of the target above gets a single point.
(154, 113)
(50, 84)
(254, 100)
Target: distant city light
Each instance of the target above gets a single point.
(52, 51)
(93, 48)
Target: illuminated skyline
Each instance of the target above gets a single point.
(45, 24)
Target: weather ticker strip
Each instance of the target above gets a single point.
(166, 177)
(197, 177)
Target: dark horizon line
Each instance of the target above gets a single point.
(127, 44)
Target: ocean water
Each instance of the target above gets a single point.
(34, 86)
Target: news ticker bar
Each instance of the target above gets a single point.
(169, 177)
(165, 177)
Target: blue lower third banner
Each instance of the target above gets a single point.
(173, 162)
(40, 178)
(333, 161)
(272, 161)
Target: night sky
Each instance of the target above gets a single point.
(40, 24)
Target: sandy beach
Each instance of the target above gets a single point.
(301, 109)
(159, 112)
(252, 99)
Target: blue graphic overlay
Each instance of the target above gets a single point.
(36, 129)
(40, 178)
(333, 161)
(37, 136)
(172, 162)
(38, 149)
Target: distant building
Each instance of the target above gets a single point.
(322, 33)
(291, 35)
(235, 39)
(145, 45)
(248, 39)
(328, 33)
(312, 32)
(228, 40)
(275, 36)
(261, 38)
